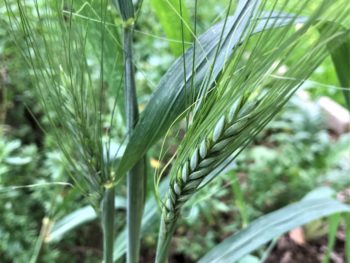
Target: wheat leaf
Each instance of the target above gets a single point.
(77, 218)
(341, 60)
(272, 225)
(169, 101)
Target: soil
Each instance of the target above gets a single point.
(288, 251)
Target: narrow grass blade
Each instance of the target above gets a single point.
(170, 15)
(334, 222)
(239, 201)
(341, 60)
(270, 226)
(268, 250)
(88, 14)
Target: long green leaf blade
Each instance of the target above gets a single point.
(77, 218)
(341, 60)
(270, 226)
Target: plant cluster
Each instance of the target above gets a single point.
(226, 84)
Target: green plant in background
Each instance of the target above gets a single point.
(227, 134)
(288, 175)
(300, 129)
(226, 85)
(25, 199)
(15, 160)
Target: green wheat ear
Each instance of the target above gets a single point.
(207, 155)
(220, 130)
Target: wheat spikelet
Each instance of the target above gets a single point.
(205, 157)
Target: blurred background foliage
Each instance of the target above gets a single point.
(294, 154)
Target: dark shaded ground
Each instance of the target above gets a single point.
(288, 251)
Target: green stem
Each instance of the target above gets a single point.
(44, 232)
(164, 240)
(136, 179)
(135, 206)
(107, 220)
(239, 200)
(131, 109)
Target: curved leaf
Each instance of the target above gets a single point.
(272, 225)
(78, 217)
(341, 60)
(170, 100)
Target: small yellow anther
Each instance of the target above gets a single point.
(108, 185)
(129, 23)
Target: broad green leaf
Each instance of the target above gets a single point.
(272, 225)
(340, 54)
(77, 218)
(170, 100)
(126, 8)
(175, 22)
(249, 259)
(321, 192)
(341, 60)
